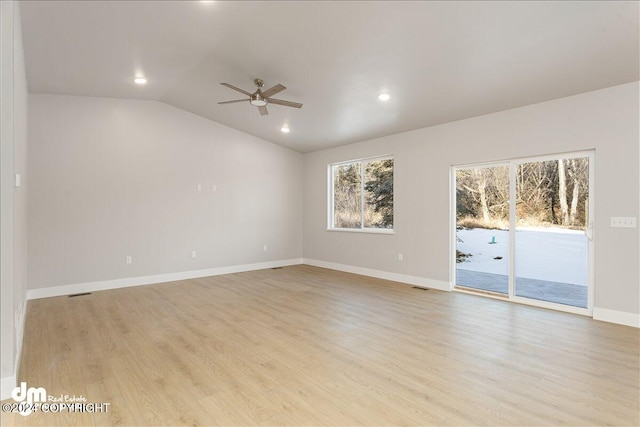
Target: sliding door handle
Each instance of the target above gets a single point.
(589, 231)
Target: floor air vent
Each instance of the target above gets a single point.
(277, 268)
(79, 295)
(418, 287)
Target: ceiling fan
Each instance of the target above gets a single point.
(260, 99)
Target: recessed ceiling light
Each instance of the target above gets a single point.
(384, 97)
(285, 129)
(140, 80)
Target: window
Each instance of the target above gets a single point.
(361, 195)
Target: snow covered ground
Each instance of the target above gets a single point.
(550, 254)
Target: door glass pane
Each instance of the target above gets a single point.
(347, 196)
(551, 246)
(482, 228)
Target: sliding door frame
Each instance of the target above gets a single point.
(513, 164)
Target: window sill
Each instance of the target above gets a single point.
(364, 230)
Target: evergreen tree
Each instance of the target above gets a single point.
(379, 191)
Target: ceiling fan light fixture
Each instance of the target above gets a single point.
(384, 97)
(140, 80)
(258, 100)
(285, 129)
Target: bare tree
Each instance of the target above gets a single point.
(483, 193)
(347, 196)
(573, 174)
(533, 194)
(547, 192)
(579, 173)
(562, 192)
(498, 199)
(481, 180)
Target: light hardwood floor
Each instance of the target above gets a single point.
(308, 346)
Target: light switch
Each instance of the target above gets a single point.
(623, 221)
(18, 180)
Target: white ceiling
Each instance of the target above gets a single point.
(440, 61)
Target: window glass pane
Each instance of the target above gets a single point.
(378, 196)
(347, 196)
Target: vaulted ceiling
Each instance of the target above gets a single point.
(438, 61)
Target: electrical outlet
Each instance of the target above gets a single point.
(198, 187)
(193, 254)
(400, 256)
(128, 260)
(265, 248)
(623, 222)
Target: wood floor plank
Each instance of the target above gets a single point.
(308, 346)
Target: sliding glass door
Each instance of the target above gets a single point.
(523, 230)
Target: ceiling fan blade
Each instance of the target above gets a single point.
(285, 103)
(236, 88)
(263, 110)
(231, 102)
(276, 89)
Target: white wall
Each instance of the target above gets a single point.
(605, 120)
(13, 204)
(111, 178)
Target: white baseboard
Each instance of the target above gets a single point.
(614, 316)
(396, 277)
(78, 288)
(606, 315)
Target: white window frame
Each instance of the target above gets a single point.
(330, 196)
